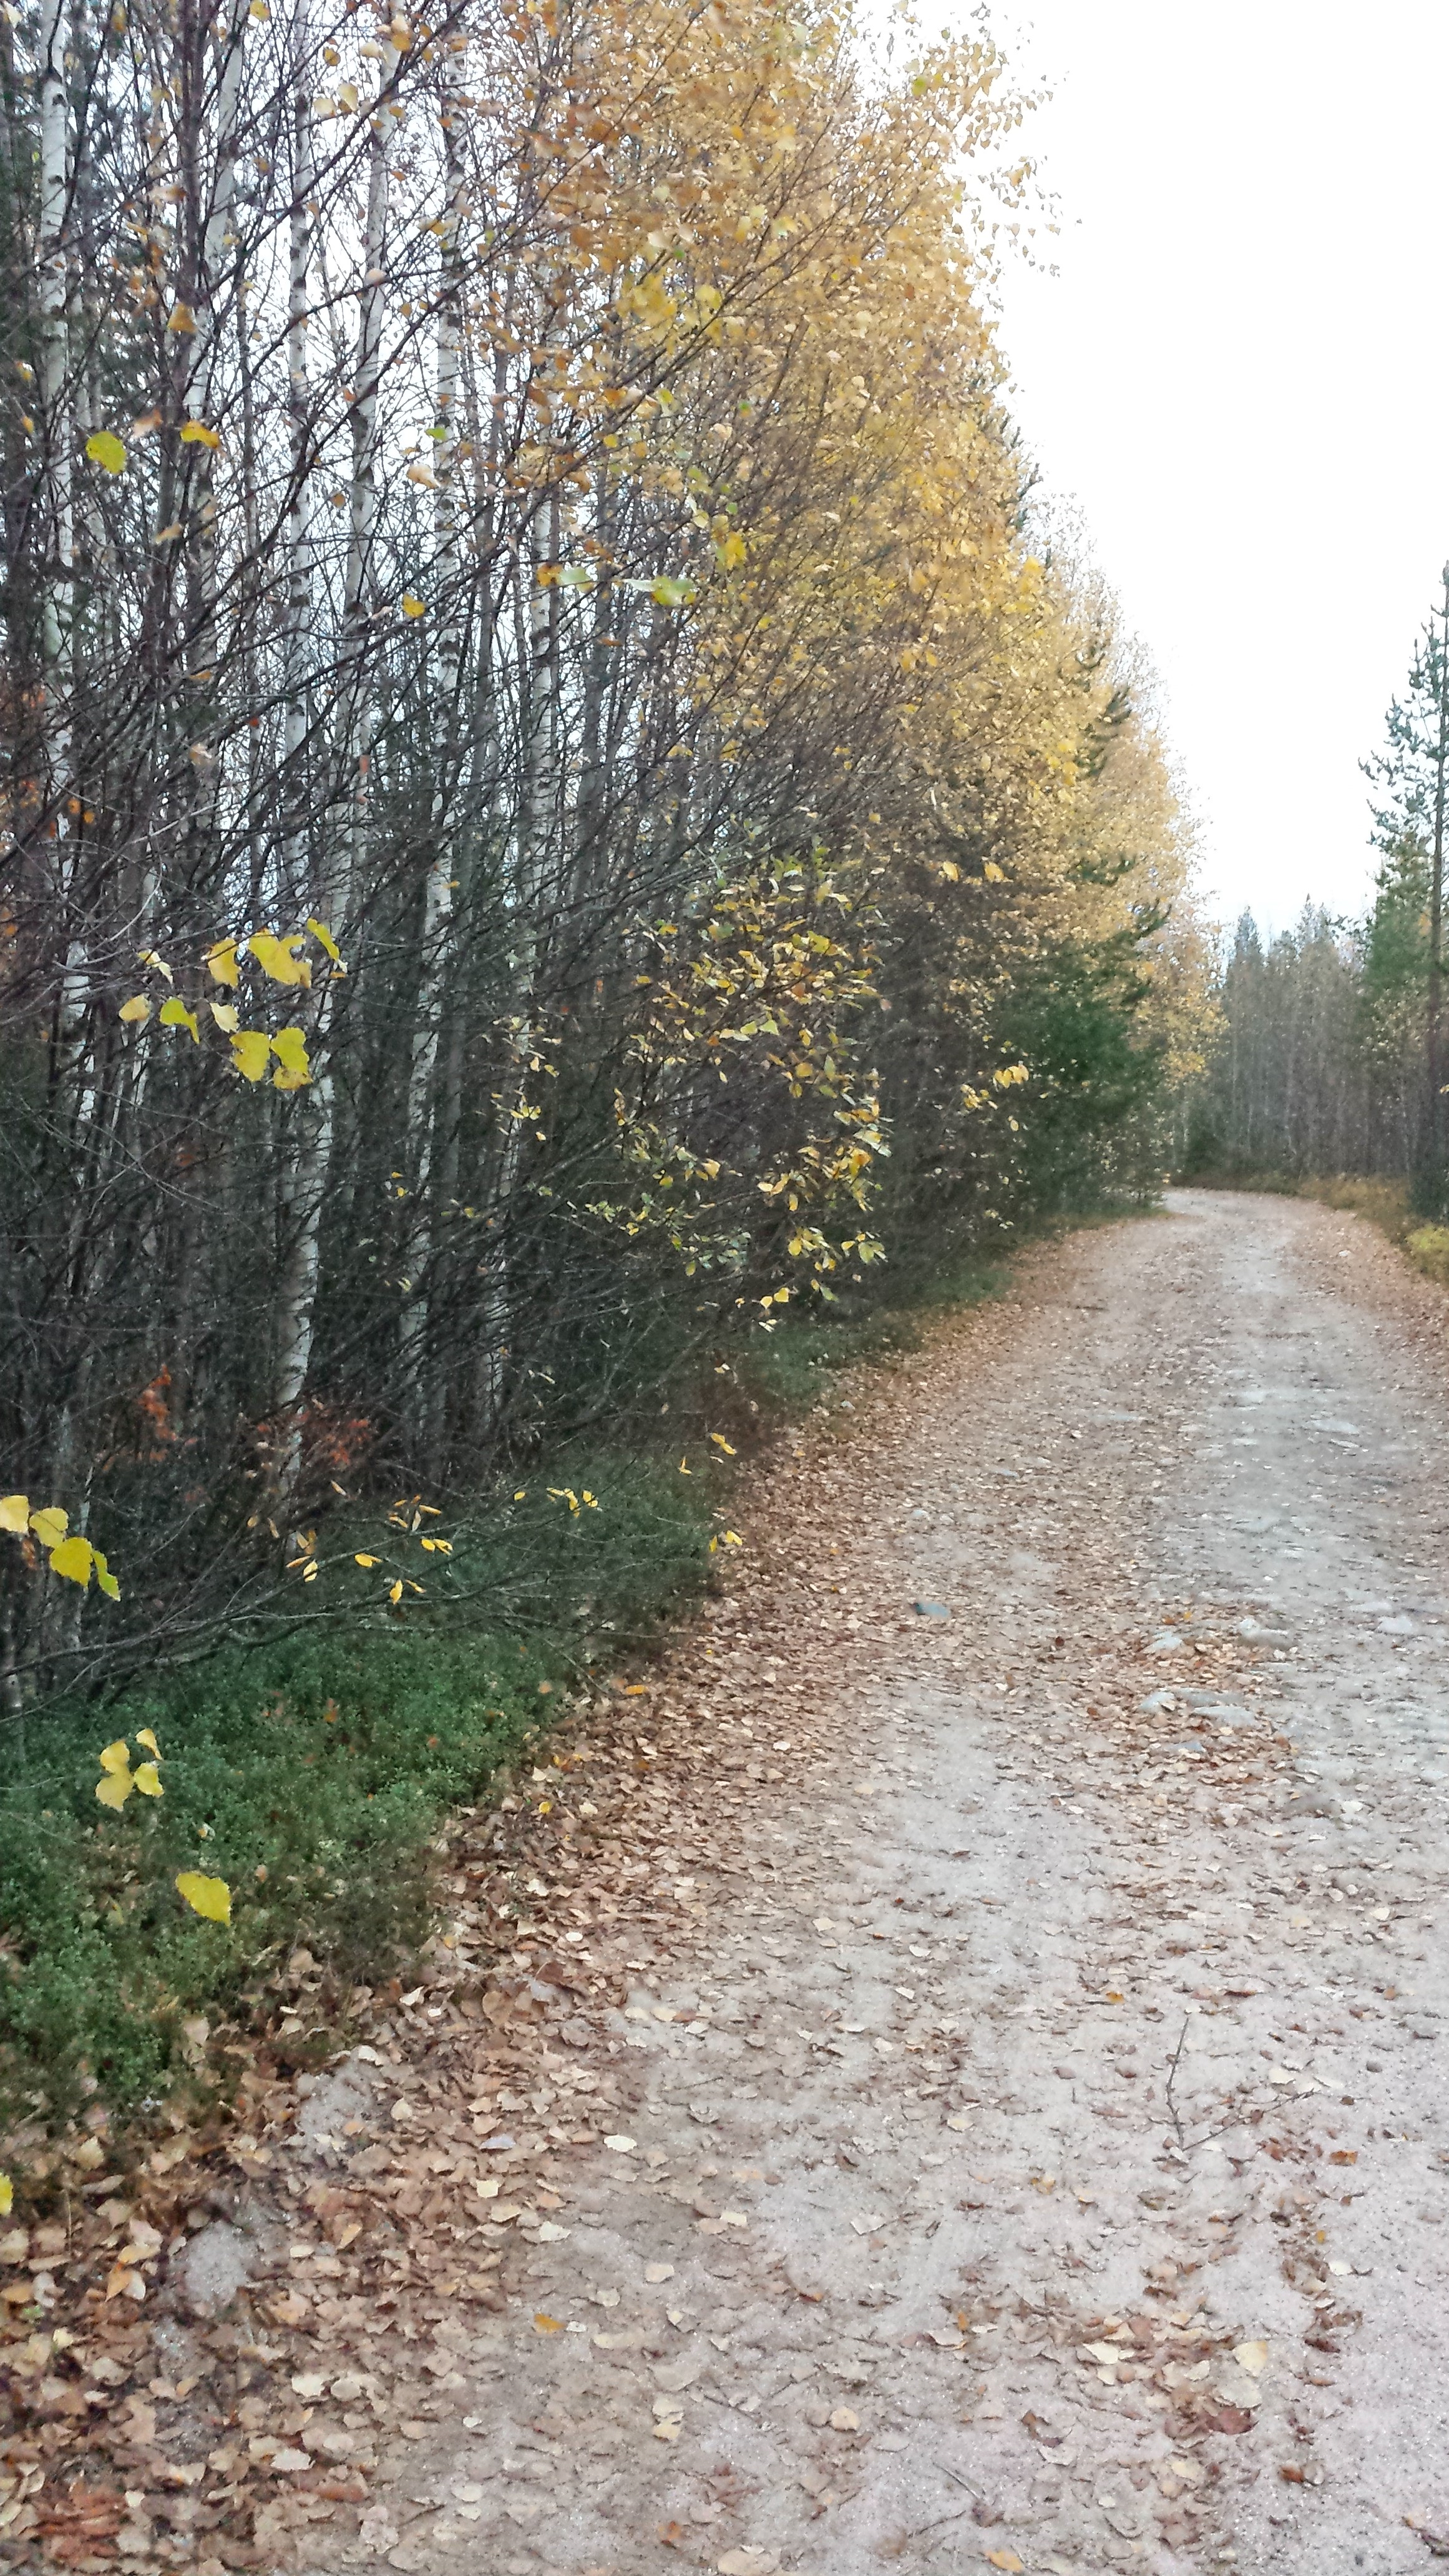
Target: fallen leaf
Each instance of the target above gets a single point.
(622, 2146)
(845, 2420)
(210, 1897)
(1251, 2358)
(1231, 2419)
(1006, 2558)
(657, 2272)
(547, 2324)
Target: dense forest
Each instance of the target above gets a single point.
(1327, 1057)
(562, 810)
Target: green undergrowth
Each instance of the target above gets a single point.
(312, 1774)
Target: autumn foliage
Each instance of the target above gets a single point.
(561, 806)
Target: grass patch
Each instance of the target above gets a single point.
(312, 1774)
(1428, 1248)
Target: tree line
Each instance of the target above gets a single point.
(560, 808)
(1328, 1055)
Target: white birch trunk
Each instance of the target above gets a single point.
(360, 574)
(217, 246)
(299, 533)
(436, 954)
(58, 595)
(51, 281)
(306, 1116)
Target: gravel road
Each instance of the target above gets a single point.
(1026, 2074)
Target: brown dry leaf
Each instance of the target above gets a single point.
(1006, 2558)
(547, 2324)
(1230, 2419)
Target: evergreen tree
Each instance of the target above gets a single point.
(1404, 965)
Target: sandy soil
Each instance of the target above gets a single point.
(967, 2089)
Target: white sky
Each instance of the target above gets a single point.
(1241, 375)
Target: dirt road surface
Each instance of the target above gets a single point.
(974, 2092)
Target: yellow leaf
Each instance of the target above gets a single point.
(148, 957)
(109, 1586)
(145, 1736)
(547, 2324)
(412, 606)
(181, 318)
(720, 1442)
(732, 1538)
(278, 957)
(423, 474)
(289, 1046)
(396, 1593)
(74, 1559)
(950, 872)
(364, 1560)
(175, 1015)
(50, 1525)
(15, 1514)
(250, 1053)
(320, 931)
(196, 434)
(7, 2195)
(116, 1757)
(208, 1896)
(137, 1009)
(104, 448)
(731, 551)
(1006, 2558)
(993, 874)
(221, 962)
(148, 1781)
(224, 1014)
(115, 1789)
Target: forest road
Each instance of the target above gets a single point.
(1034, 2059)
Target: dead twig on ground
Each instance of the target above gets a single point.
(1172, 2079)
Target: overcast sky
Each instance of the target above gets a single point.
(1241, 375)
